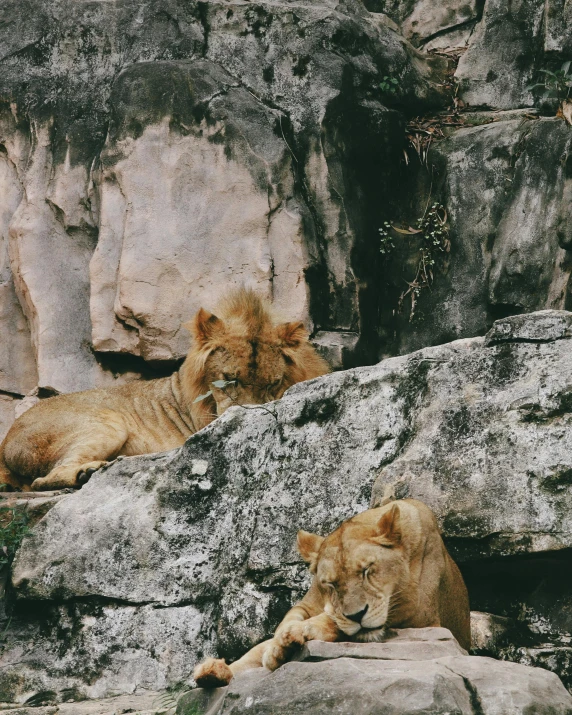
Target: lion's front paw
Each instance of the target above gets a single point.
(283, 644)
(274, 655)
(213, 673)
(293, 634)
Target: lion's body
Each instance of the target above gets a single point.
(60, 441)
(384, 568)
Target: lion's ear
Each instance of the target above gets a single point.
(308, 546)
(390, 527)
(205, 326)
(292, 334)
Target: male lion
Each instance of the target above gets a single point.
(386, 567)
(61, 441)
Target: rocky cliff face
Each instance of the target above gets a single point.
(154, 154)
(161, 560)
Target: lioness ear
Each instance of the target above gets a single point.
(291, 334)
(308, 546)
(390, 527)
(204, 326)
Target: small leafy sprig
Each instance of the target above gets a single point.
(390, 85)
(433, 231)
(220, 384)
(556, 85)
(386, 244)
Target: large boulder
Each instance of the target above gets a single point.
(376, 679)
(506, 186)
(161, 560)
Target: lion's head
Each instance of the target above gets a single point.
(241, 347)
(362, 570)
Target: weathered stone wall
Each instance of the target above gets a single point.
(154, 154)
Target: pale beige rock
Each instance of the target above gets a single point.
(48, 233)
(429, 18)
(184, 217)
(399, 644)
(7, 416)
(17, 365)
(52, 280)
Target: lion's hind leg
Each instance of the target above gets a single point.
(87, 452)
(214, 672)
(9, 481)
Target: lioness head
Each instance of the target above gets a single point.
(254, 358)
(361, 570)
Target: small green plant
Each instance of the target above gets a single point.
(556, 85)
(433, 232)
(222, 385)
(390, 85)
(386, 244)
(13, 528)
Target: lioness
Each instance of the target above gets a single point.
(386, 567)
(61, 441)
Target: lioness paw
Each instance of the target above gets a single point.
(213, 673)
(274, 656)
(293, 634)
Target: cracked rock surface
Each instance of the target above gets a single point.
(161, 560)
(155, 154)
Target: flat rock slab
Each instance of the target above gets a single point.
(144, 704)
(455, 684)
(402, 644)
(541, 327)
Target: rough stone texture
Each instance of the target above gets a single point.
(18, 372)
(509, 239)
(401, 644)
(154, 155)
(468, 428)
(98, 652)
(543, 326)
(221, 198)
(489, 631)
(140, 704)
(337, 348)
(503, 56)
(347, 681)
(450, 22)
(7, 414)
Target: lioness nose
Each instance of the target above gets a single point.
(357, 616)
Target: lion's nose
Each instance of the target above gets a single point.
(356, 617)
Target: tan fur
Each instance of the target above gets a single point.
(62, 440)
(390, 560)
